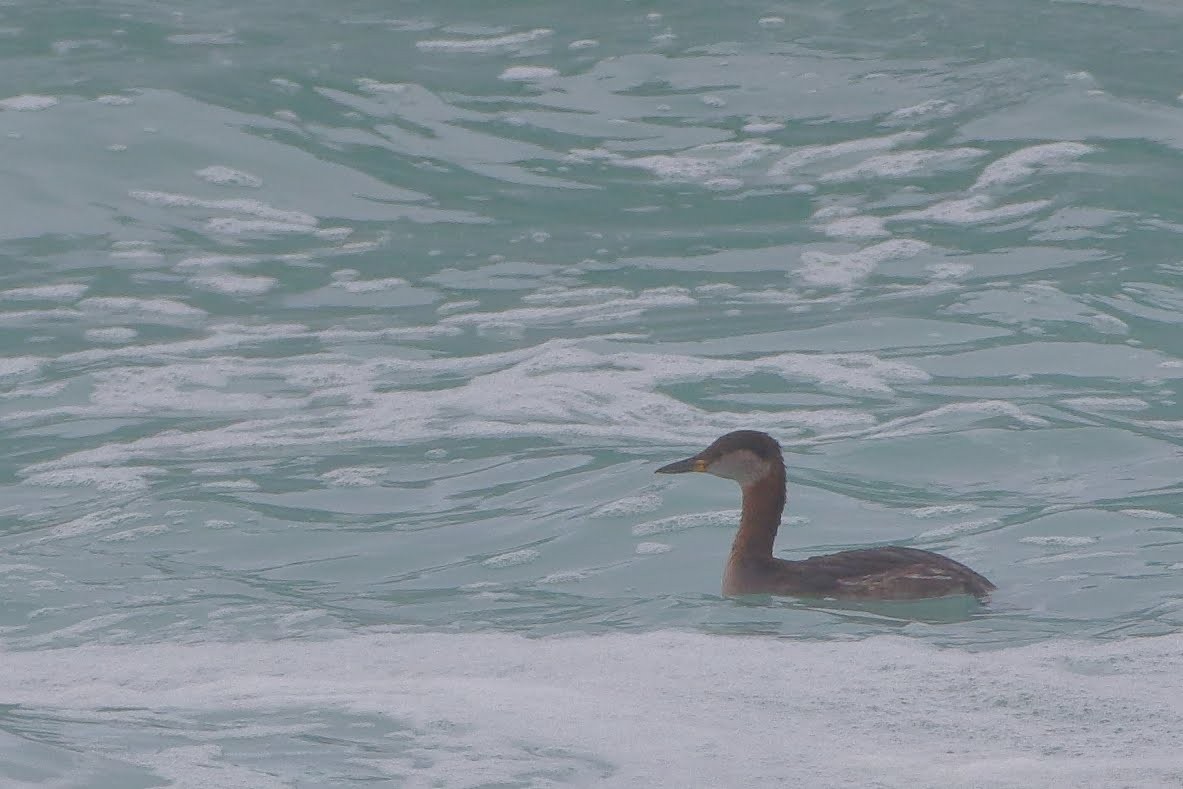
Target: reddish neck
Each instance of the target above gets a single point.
(763, 503)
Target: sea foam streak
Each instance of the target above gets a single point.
(661, 709)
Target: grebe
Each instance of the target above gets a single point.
(754, 460)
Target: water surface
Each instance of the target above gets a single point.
(339, 347)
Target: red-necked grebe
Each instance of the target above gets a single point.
(754, 460)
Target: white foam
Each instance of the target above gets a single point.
(19, 366)
(91, 523)
(233, 226)
(113, 334)
(762, 127)
(1148, 514)
(907, 163)
(129, 535)
(286, 85)
(86, 626)
(122, 305)
(21, 569)
(689, 521)
(629, 506)
(934, 107)
(380, 88)
(11, 392)
(647, 548)
(973, 210)
(702, 162)
(946, 418)
(511, 559)
(1073, 556)
(211, 39)
(228, 176)
(64, 292)
(1023, 163)
(722, 289)
(609, 311)
(136, 253)
(1106, 403)
(353, 476)
(220, 337)
(723, 183)
(567, 576)
(118, 478)
(810, 154)
(403, 334)
(957, 528)
(583, 43)
(1058, 539)
(27, 103)
(452, 307)
(855, 227)
(560, 296)
(115, 100)
(135, 250)
(254, 208)
(944, 509)
(528, 73)
(370, 285)
(562, 391)
(231, 485)
(947, 270)
(484, 44)
(843, 271)
(66, 46)
(215, 261)
(234, 284)
(659, 709)
(197, 387)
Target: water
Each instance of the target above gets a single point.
(339, 347)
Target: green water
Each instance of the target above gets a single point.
(323, 322)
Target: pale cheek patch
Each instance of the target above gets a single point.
(742, 466)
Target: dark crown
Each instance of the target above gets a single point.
(760, 444)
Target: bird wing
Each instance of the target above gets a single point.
(890, 572)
